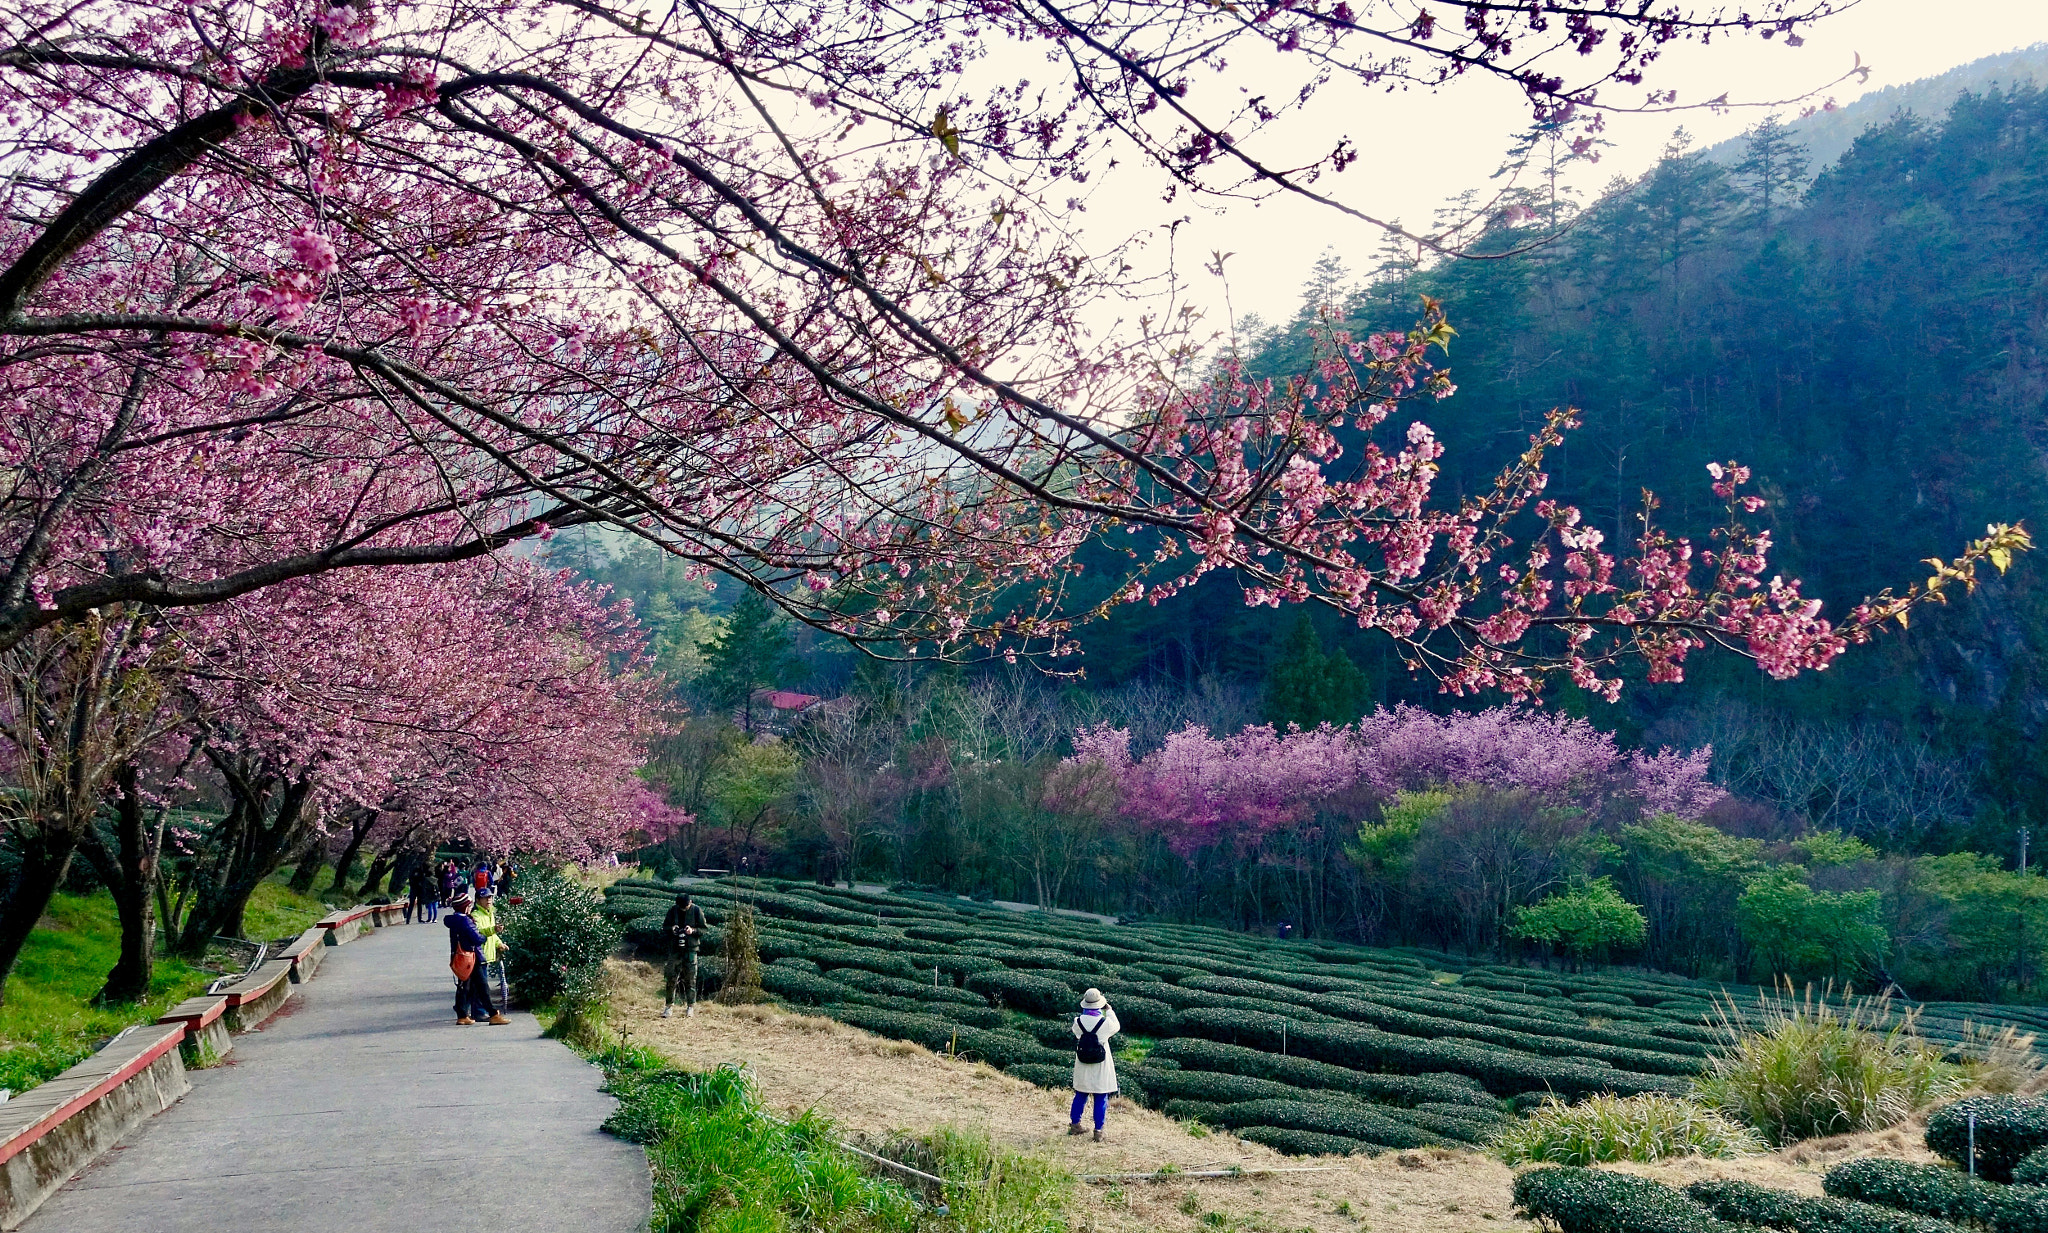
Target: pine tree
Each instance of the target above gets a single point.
(1306, 686)
(755, 652)
(1773, 167)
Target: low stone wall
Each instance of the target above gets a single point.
(49, 1133)
(345, 927)
(258, 995)
(56, 1129)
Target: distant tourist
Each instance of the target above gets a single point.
(419, 894)
(1286, 930)
(465, 959)
(451, 881)
(1094, 1069)
(683, 927)
(486, 918)
(480, 878)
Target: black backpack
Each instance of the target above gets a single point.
(1089, 1048)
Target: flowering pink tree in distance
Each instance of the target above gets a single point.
(1201, 791)
(288, 288)
(490, 699)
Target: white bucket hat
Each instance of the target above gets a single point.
(1092, 1000)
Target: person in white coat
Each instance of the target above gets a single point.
(1094, 1069)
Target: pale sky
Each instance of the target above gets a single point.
(1276, 243)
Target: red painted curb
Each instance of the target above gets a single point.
(27, 1136)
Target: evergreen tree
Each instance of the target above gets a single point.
(1306, 686)
(1772, 169)
(754, 652)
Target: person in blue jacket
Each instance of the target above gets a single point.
(472, 992)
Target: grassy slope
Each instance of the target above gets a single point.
(49, 1023)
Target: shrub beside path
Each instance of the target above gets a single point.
(363, 1106)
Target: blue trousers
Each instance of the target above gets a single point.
(1101, 1107)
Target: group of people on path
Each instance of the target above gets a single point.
(434, 886)
(476, 950)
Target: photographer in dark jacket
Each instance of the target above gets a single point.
(683, 928)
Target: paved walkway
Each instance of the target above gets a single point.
(362, 1107)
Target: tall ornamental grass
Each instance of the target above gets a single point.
(1808, 1068)
(1602, 1129)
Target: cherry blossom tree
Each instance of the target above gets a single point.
(81, 701)
(292, 288)
(1201, 790)
(492, 700)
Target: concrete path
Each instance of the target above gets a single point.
(362, 1107)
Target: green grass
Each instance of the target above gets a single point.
(722, 1164)
(49, 1023)
(275, 910)
(1603, 1129)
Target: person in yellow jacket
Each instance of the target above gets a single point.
(486, 918)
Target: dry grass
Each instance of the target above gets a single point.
(874, 1086)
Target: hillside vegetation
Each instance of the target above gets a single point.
(1303, 1046)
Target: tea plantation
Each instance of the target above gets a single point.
(1990, 1184)
(1306, 1046)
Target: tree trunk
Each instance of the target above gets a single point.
(380, 868)
(360, 821)
(251, 845)
(130, 872)
(45, 856)
(312, 859)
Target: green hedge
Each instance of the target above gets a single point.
(1204, 1055)
(1044, 1074)
(957, 966)
(1434, 1027)
(1747, 1203)
(867, 958)
(997, 1048)
(1038, 995)
(847, 935)
(2032, 1170)
(794, 984)
(2009, 1129)
(1353, 1121)
(1594, 1201)
(1228, 1089)
(1305, 1142)
(1365, 1048)
(1935, 1190)
(897, 986)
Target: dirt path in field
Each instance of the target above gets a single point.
(872, 1085)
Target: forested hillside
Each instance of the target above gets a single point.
(1873, 346)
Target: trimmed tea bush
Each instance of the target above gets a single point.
(1038, 995)
(1747, 1203)
(1364, 1048)
(1941, 1192)
(1602, 1129)
(1352, 1121)
(1305, 1142)
(2009, 1129)
(1591, 1201)
(897, 986)
(2032, 1170)
(1206, 1055)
